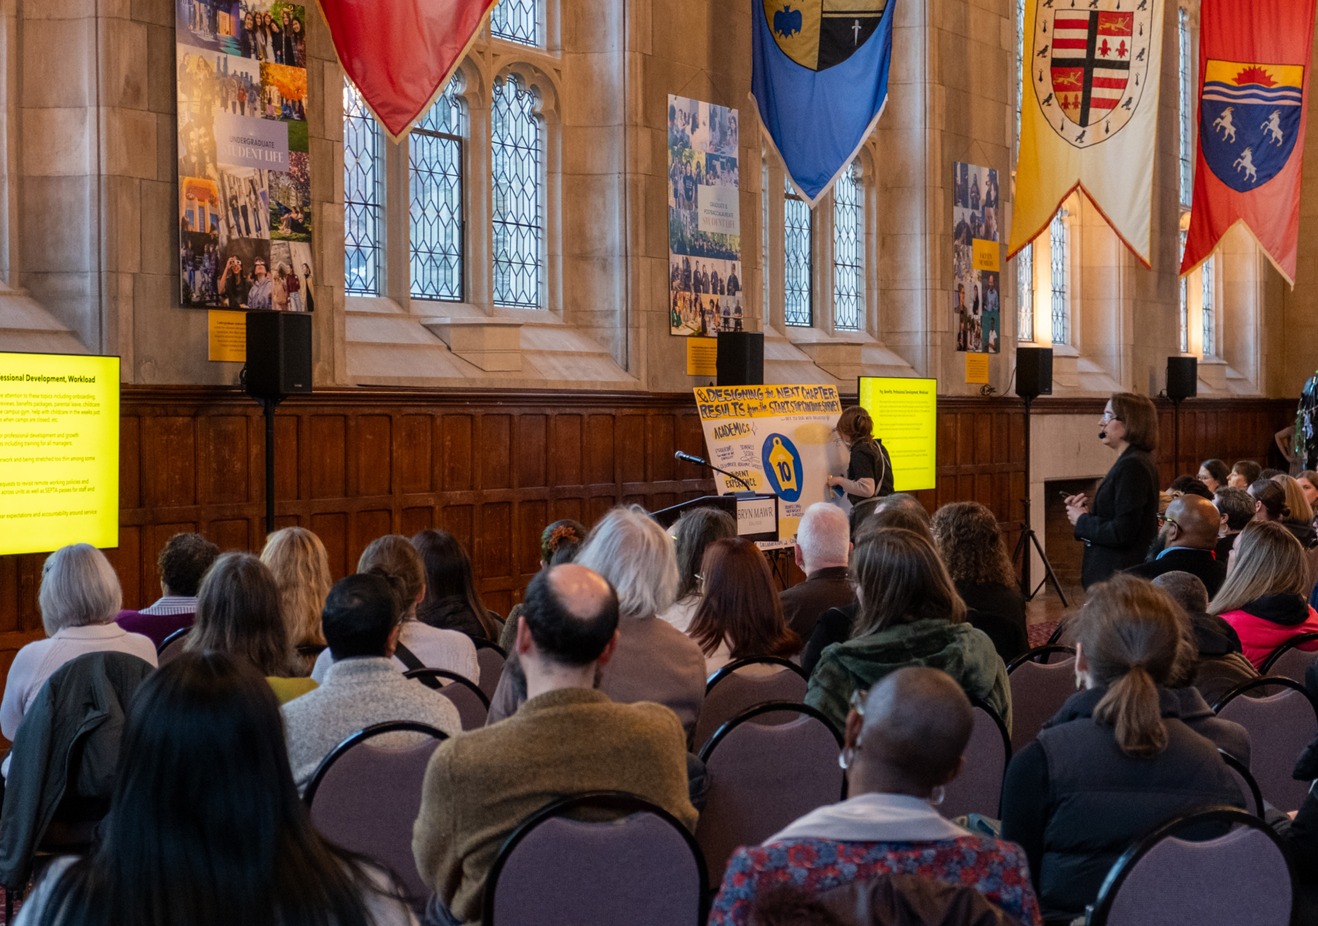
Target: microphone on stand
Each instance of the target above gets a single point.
(688, 458)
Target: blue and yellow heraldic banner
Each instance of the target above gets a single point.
(820, 82)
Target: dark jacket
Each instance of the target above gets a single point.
(1122, 518)
(804, 602)
(67, 747)
(999, 611)
(1074, 801)
(1203, 564)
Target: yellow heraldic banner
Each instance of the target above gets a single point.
(777, 438)
(1089, 108)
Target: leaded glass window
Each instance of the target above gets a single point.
(435, 167)
(1183, 310)
(517, 141)
(1208, 270)
(848, 265)
(1059, 239)
(518, 21)
(363, 197)
(1187, 77)
(1025, 293)
(798, 311)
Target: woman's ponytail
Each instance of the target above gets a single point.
(1131, 707)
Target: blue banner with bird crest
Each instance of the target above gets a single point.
(820, 82)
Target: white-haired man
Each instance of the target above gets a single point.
(823, 546)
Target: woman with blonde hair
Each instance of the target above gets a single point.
(300, 565)
(1299, 517)
(969, 541)
(419, 645)
(1264, 597)
(1120, 757)
(908, 613)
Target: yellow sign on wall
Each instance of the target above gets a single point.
(228, 335)
(905, 413)
(59, 451)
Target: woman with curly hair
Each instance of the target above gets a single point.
(970, 543)
(300, 565)
(559, 543)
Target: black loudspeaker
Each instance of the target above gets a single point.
(1182, 377)
(1034, 372)
(741, 358)
(278, 354)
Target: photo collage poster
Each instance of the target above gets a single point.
(245, 216)
(705, 289)
(976, 259)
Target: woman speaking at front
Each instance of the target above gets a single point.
(1120, 526)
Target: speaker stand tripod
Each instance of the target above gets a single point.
(1029, 538)
(268, 405)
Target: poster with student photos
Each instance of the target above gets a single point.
(244, 175)
(976, 259)
(706, 294)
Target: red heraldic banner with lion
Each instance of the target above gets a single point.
(1253, 90)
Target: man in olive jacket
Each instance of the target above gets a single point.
(568, 738)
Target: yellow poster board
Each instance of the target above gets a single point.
(905, 413)
(228, 336)
(701, 356)
(59, 451)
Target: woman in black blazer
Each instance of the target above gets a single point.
(1119, 526)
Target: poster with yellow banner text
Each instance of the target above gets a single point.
(777, 438)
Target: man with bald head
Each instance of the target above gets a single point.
(1188, 538)
(568, 738)
(902, 746)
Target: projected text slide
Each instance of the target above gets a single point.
(905, 413)
(59, 451)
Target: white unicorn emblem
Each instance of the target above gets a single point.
(1272, 127)
(1246, 163)
(1225, 123)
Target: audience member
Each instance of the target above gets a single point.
(902, 510)
(298, 561)
(971, 546)
(1213, 474)
(182, 562)
(739, 615)
(692, 534)
(1244, 473)
(362, 687)
(1189, 485)
(238, 614)
(908, 613)
(1216, 663)
(823, 547)
(1188, 537)
(1308, 481)
(568, 738)
(451, 601)
(207, 827)
(1265, 595)
(419, 645)
(559, 543)
(1299, 513)
(79, 598)
(1070, 799)
(1235, 508)
(903, 744)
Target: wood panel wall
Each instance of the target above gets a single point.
(493, 468)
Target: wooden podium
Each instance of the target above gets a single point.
(756, 514)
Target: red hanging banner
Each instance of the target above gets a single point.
(401, 53)
(1253, 90)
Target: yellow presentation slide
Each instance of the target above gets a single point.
(905, 413)
(59, 451)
